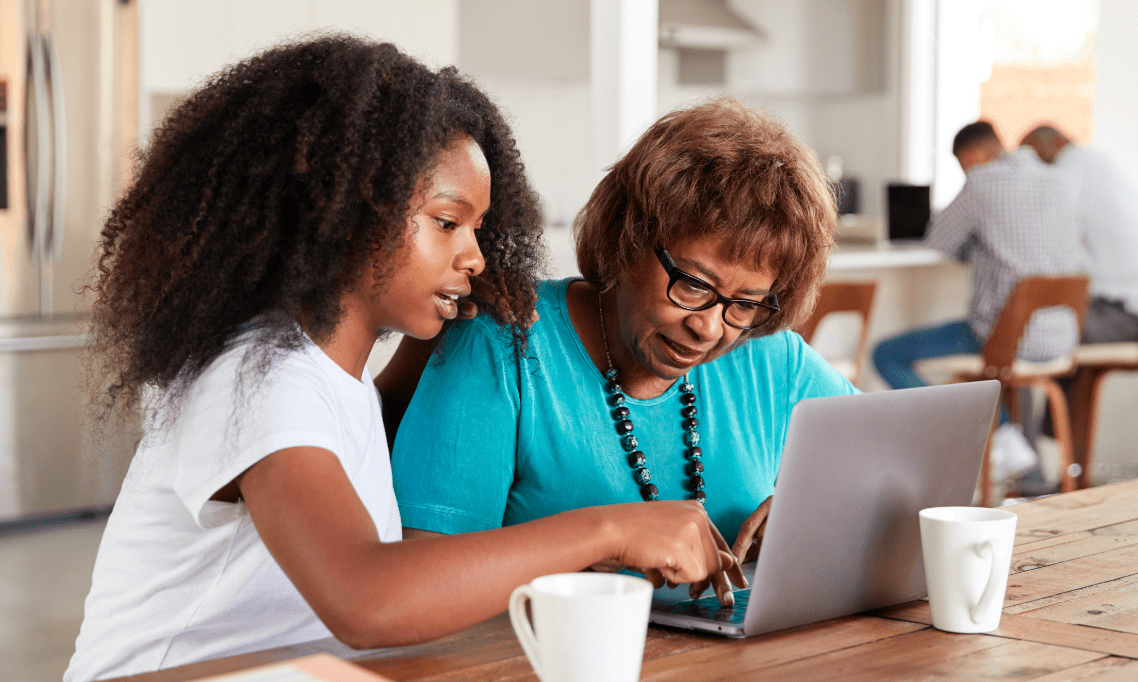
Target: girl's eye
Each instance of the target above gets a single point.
(446, 224)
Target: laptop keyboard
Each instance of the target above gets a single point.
(710, 608)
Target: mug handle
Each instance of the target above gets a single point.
(522, 626)
(985, 550)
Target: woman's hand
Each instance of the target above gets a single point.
(751, 533)
(674, 543)
(746, 549)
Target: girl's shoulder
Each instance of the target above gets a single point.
(255, 373)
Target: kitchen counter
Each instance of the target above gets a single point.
(872, 255)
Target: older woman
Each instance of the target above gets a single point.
(667, 372)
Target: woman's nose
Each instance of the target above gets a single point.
(708, 324)
(470, 258)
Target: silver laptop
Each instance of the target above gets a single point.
(843, 534)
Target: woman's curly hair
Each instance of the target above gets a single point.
(718, 168)
(269, 192)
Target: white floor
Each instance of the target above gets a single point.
(45, 573)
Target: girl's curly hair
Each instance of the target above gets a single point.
(269, 192)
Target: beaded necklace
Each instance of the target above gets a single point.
(636, 458)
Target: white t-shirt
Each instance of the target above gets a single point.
(180, 578)
(1109, 210)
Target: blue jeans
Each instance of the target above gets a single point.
(894, 357)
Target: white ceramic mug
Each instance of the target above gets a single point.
(586, 627)
(967, 552)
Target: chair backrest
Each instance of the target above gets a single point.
(844, 297)
(1031, 294)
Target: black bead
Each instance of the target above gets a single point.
(691, 423)
(649, 492)
(629, 442)
(687, 398)
(695, 467)
(624, 426)
(695, 453)
(700, 497)
(616, 400)
(613, 387)
(611, 374)
(636, 459)
(689, 411)
(620, 413)
(642, 476)
(695, 483)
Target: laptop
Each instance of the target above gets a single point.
(909, 208)
(843, 534)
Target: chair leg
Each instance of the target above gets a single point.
(1061, 421)
(1080, 405)
(1090, 421)
(1011, 403)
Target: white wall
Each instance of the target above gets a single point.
(811, 47)
(965, 51)
(1116, 87)
(852, 113)
(533, 59)
(917, 56)
(1116, 134)
(181, 43)
(536, 65)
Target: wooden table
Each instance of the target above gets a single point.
(1071, 613)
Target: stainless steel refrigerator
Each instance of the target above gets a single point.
(66, 75)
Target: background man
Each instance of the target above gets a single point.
(1014, 217)
(1108, 213)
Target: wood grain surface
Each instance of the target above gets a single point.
(1070, 614)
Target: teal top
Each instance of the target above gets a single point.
(489, 441)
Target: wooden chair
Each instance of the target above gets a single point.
(844, 297)
(998, 361)
(1095, 362)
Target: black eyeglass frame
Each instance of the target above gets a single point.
(675, 274)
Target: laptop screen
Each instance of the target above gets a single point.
(909, 210)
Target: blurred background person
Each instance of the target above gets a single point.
(1108, 215)
(1014, 217)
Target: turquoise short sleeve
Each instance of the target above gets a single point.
(453, 460)
(810, 375)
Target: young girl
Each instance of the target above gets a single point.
(295, 209)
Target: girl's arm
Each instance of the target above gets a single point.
(373, 594)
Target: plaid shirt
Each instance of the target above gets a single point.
(1015, 217)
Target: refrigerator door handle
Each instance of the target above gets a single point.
(43, 343)
(54, 237)
(37, 191)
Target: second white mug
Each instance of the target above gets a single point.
(586, 626)
(967, 554)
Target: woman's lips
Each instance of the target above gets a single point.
(680, 354)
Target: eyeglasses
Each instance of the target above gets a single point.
(692, 293)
